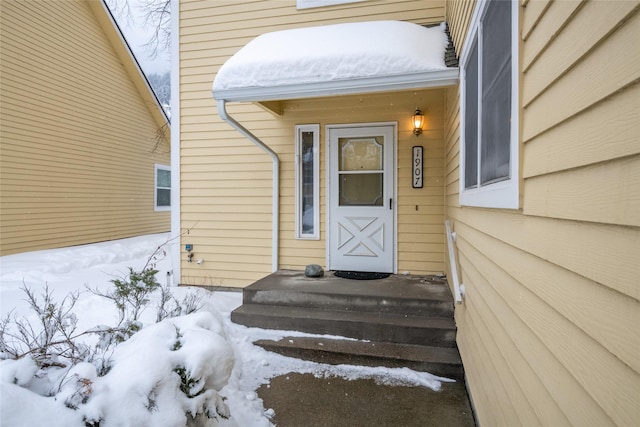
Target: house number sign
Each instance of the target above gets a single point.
(417, 167)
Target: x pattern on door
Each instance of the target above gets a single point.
(361, 236)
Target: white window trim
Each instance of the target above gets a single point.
(503, 194)
(308, 4)
(316, 182)
(155, 188)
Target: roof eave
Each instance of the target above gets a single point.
(412, 81)
(128, 59)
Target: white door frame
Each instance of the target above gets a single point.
(394, 142)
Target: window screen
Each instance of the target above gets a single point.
(471, 120)
(496, 93)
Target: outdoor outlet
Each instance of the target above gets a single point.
(189, 248)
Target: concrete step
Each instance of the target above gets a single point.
(383, 327)
(439, 361)
(411, 295)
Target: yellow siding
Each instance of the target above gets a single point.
(545, 331)
(78, 139)
(226, 181)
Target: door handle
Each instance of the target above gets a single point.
(390, 204)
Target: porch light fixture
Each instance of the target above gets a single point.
(418, 122)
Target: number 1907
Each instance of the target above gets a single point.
(417, 167)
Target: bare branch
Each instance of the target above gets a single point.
(157, 13)
(121, 10)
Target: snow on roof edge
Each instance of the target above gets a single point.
(336, 59)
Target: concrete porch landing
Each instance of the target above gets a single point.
(400, 294)
(401, 321)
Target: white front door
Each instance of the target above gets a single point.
(361, 232)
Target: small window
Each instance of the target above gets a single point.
(163, 188)
(308, 182)
(489, 107)
(308, 4)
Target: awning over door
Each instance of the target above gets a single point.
(339, 59)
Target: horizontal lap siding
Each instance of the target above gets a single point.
(78, 141)
(554, 286)
(226, 181)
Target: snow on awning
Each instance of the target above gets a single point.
(336, 59)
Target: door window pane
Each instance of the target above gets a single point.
(360, 154)
(361, 189)
(357, 159)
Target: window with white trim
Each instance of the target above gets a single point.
(489, 108)
(308, 182)
(162, 198)
(308, 4)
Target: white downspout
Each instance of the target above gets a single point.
(224, 115)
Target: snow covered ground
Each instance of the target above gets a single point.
(223, 352)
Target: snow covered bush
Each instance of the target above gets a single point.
(156, 382)
(53, 337)
(132, 295)
(164, 374)
(168, 374)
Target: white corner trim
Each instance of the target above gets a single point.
(175, 143)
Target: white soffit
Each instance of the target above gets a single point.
(336, 59)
